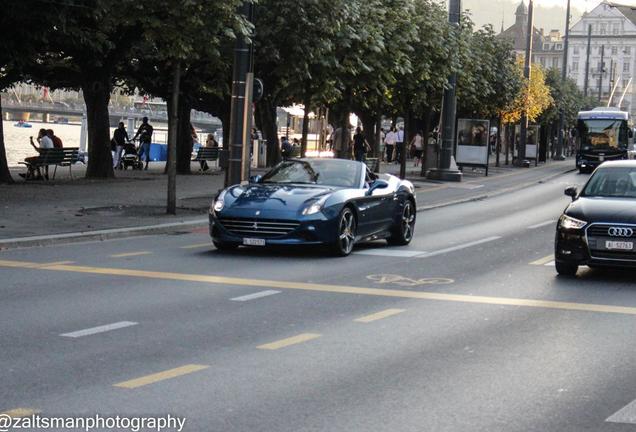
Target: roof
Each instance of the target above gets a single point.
(522, 9)
(628, 11)
(607, 113)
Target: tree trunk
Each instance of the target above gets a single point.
(96, 97)
(377, 147)
(5, 174)
(173, 122)
(184, 138)
(266, 116)
(408, 122)
(303, 141)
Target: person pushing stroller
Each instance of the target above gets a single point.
(144, 133)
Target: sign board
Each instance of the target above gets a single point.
(472, 142)
(532, 141)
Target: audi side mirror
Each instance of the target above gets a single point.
(378, 184)
(255, 179)
(572, 192)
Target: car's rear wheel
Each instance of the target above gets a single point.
(566, 269)
(347, 227)
(224, 246)
(403, 232)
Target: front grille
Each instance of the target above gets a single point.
(258, 228)
(603, 230)
(598, 234)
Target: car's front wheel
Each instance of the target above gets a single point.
(346, 233)
(403, 231)
(566, 269)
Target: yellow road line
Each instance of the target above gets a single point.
(378, 316)
(543, 261)
(304, 337)
(130, 254)
(340, 289)
(20, 412)
(160, 376)
(197, 246)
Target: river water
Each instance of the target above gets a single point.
(16, 139)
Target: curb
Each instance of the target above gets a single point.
(106, 234)
(493, 193)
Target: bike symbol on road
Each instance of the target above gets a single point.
(404, 281)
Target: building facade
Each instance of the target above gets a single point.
(547, 49)
(612, 54)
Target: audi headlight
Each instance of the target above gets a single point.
(218, 205)
(571, 223)
(315, 206)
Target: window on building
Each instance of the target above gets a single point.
(616, 28)
(614, 50)
(559, 47)
(542, 61)
(626, 66)
(575, 66)
(625, 83)
(627, 50)
(546, 47)
(555, 62)
(603, 29)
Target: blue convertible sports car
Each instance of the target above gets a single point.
(331, 202)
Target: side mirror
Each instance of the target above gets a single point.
(378, 184)
(255, 179)
(571, 192)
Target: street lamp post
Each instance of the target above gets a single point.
(449, 111)
(564, 74)
(241, 114)
(523, 136)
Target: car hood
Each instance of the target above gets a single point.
(271, 198)
(599, 209)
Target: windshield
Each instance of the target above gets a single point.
(612, 182)
(603, 134)
(328, 172)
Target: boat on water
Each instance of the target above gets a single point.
(23, 124)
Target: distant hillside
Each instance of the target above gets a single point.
(493, 11)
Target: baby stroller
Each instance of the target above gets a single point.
(130, 158)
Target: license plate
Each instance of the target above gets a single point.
(619, 245)
(253, 242)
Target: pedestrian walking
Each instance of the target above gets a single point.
(144, 133)
(120, 138)
(286, 148)
(389, 143)
(399, 145)
(417, 144)
(360, 146)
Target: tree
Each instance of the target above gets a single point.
(87, 45)
(533, 98)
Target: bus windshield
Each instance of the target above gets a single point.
(604, 134)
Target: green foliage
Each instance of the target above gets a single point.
(567, 97)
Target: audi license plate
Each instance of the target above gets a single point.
(619, 245)
(253, 242)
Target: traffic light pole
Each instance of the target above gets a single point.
(241, 115)
(449, 111)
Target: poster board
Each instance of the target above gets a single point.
(473, 143)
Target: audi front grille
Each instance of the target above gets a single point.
(598, 234)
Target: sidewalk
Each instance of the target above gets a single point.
(33, 213)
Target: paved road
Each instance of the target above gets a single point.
(467, 329)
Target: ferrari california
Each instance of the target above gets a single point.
(330, 202)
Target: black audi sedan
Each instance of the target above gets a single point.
(598, 228)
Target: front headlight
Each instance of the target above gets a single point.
(315, 206)
(218, 205)
(570, 223)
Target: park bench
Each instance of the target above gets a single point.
(55, 156)
(373, 164)
(208, 154)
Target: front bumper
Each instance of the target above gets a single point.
(310, 230)
(574, 247)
